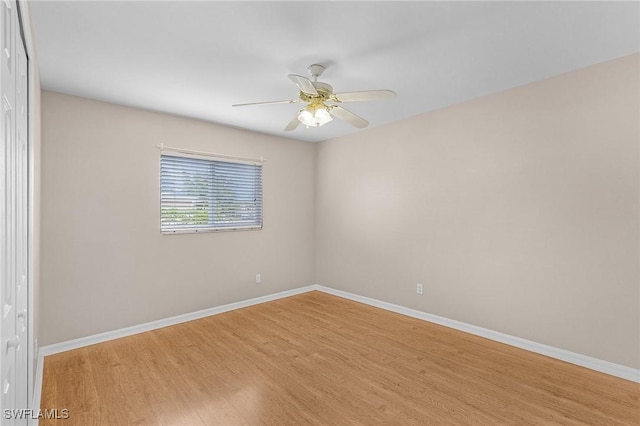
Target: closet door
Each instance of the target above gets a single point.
(10, 340)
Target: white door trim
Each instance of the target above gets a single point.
(32, 350)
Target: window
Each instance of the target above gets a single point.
(200, 195)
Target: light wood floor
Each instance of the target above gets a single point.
(320, 359)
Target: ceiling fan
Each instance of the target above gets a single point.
(322, 104)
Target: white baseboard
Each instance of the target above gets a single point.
(561, 354)
(606, 367)
(141, 328)
(153, 325)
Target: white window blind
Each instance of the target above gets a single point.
(199, 195)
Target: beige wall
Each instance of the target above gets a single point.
(517, 211)
(104, 263)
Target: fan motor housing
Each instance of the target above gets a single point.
(324, 93)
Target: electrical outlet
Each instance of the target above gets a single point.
(258, 278)
(419, 289)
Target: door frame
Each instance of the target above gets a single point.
(33, 197)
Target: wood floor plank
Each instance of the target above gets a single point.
(319, 359)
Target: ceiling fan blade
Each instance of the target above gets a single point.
(348, 116)
(304, 84)
(369, 95)
(293, 101)
(293, 124)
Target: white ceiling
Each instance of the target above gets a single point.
(197, 58)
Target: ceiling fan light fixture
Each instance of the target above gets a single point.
(322, 116)
(314, 94)
(305, 116)
(314, 116)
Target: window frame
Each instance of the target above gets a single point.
(213, 158)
